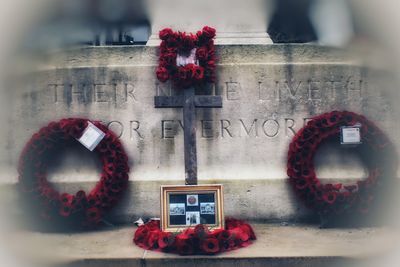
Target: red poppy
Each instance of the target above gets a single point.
(65, 210)
(153, 225)
(239, 234)
(93, 215)
(198, 73)
(66, 198)
(184, 245)
(210, 245)
(166, 33)
(190, 74)
(248, 230)
(201, 231)
(140, 234)
(208, 32)
(202, 53)
(165, 239)
(152, 240)
(224, 235)
(329, 197)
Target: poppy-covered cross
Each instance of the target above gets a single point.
(189, 101)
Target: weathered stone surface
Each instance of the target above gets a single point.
(268, 93)
(245, 23)
(294, 245)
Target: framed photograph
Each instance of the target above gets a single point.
(186, 206)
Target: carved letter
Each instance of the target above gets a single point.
(232, 90)
(313, 91)
(289, 123)
(79, 93)
(114, 125)
(270, 91)
(130, 91)
(292, 87)
(273, 132)
(134, 125)
(252, 126)
(206, 129)
(354, 88)
(225, 127)
(57, 95)
(167, 129)
(99, 94)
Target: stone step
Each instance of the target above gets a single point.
(277, 245)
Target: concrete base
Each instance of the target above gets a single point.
(277, 245)
(229, 38)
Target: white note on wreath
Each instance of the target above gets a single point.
(91, 136)
(183, 60)
(350, 135)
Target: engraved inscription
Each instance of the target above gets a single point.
(233, 90)
(115, 93)
(311, 90)
(236, 128)
(117, 127)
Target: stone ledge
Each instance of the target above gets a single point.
(294, 245)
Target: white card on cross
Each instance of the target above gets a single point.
(351, 135)
(91, 136)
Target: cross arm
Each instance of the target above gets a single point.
(200, 101)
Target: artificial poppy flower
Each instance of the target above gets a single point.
(65, 210)
(210, 245)
(165, 239)
(166, 33)
(329, 197)
(201, 231)
(152, 240)
(93, 215)
(209, 32)
(182, 43)
(184, 245)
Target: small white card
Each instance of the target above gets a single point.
(350, 135)
(91, 136)
(183, 60)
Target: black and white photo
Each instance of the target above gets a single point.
(177, 209)
(192, 217)
(207, 208)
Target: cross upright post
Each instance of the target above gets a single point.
(189, 102)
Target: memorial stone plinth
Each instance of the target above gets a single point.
(246, 22)
(268, 93)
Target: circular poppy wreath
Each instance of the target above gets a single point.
(338, 198)
(81, 208)
(195, 240)
(199, 45)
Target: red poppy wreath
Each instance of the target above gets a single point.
(82, 208)
(187, 59)
(337, 198)
(195, 240)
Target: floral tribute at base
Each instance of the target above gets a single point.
(195, 240)
(338, 198)
(84, 209)
(197, 51)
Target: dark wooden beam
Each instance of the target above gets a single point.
(177, 101)
(189, 123)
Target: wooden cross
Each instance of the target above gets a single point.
(189, 101)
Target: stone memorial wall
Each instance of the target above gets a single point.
(269, 92)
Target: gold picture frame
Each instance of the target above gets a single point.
(184, 206)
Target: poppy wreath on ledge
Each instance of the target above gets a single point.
(329, 199)
(195, 240)
(197, 51)
(80, 209)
